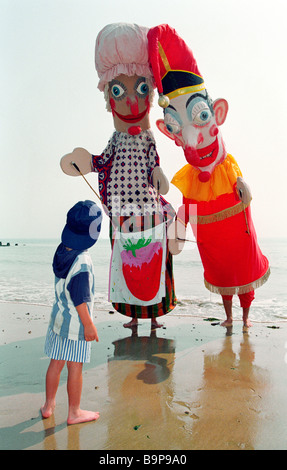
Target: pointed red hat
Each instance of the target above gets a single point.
(173, 64)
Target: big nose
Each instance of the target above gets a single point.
(132, 101)
(192, 138)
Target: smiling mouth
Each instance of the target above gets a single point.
(130, 118)
(208, 155)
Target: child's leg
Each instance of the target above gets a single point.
(74, 387)
(52, 382)
(245, 302)
(227, 303)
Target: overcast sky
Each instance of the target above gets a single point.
(50, 102)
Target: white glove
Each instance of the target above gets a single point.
(176, 234)
(243, 190)
(160, 181)
(81, 157)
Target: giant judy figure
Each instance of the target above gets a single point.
(130, 179)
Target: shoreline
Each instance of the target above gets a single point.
(189, 385)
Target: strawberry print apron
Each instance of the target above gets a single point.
(138, 265)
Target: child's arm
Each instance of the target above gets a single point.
(90, 329)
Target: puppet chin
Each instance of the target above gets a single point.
(134, 130)
(206, 171)
(204, 176)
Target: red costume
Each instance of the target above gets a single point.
(231, 257)
(216, 198)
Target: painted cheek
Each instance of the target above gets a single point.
(213, 130)
(200, 139)
(112, 104)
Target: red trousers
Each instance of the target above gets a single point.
(245, 299)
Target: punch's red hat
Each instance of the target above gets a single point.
(174, 67)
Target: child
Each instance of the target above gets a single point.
(71, 327)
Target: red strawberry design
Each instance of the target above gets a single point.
(142, 262)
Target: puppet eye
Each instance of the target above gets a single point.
(117, 91)
(171, 124)
(199, 113)
(202, 118)
(142, 88)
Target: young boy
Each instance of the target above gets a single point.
(71, 327)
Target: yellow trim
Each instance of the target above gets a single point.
(163, 57)
(180, 70)
(218, 216)
(186, 90)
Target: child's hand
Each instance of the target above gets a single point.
(91, 333)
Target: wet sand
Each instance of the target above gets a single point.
(191, 385)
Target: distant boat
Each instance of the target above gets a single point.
(7, 244)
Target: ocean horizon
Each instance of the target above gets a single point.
(26, 276)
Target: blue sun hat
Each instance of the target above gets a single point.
(83, 226)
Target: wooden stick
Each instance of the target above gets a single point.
(105, 209)
(184, 240)
(78, 169)
(246, 221)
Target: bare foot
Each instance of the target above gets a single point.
(227, 323)
(133, 322)
(47, 410)
(247, 323)
(155, 324)
(82, 416)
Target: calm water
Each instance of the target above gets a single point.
(26, 276)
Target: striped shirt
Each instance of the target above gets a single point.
(78, 287)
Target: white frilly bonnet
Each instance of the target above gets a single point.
(121, 48)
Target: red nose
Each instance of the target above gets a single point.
(191, 156)
(133, 105)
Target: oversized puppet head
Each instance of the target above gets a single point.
(191, 119)
(122, 63)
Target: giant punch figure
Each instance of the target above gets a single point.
(216, 199)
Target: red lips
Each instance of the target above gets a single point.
(130, 118)
(202, 157)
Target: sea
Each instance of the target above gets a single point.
(26, 276)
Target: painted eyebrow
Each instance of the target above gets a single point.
(171, 107)
(195, 96)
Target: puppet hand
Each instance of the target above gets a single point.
(243, 191)
(81, 157)
(176, 234)
(159, 180)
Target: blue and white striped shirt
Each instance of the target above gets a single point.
(78, 287)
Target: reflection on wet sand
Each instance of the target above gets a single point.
(140, 390)
(196, 389)
(231, 397)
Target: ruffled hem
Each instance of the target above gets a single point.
(222, 181)
(236, 290)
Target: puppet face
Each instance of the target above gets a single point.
(130, 103)
(192, 122)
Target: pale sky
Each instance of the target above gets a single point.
(50, 102)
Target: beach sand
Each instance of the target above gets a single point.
(189, 385)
